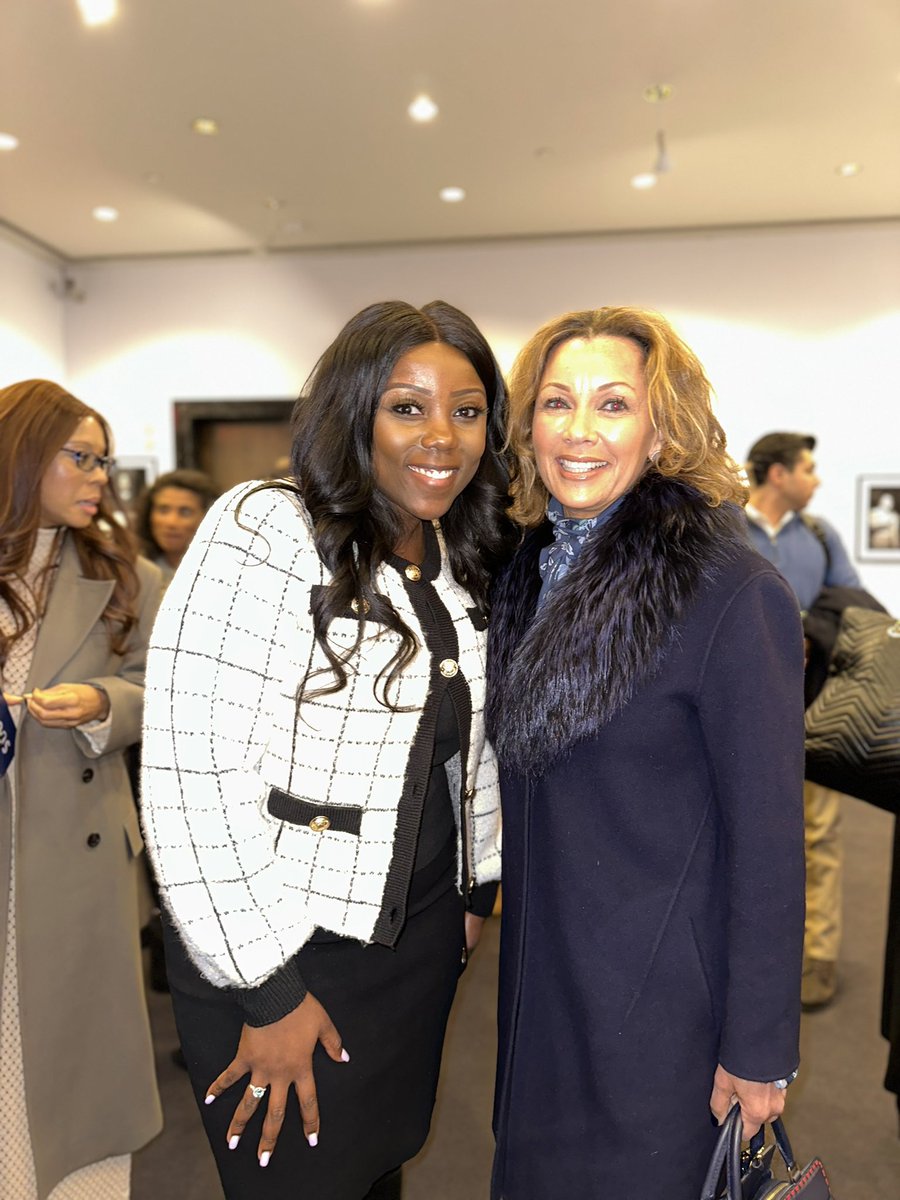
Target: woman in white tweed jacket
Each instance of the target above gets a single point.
(319, 799)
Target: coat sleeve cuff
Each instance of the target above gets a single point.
(273, 999)
(482, 899)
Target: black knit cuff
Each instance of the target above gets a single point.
(482, 899)
(280, 994)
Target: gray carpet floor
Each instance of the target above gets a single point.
(837, 1109)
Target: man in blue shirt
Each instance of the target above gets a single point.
(810, 555)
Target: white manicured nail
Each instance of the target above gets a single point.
(345, 1057)
(209, 1098)
(313, 1139)
(264, 1158)
(232, 1145)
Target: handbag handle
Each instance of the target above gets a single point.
(727, 1151)
(723, 1148)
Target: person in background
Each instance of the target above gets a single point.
(810, 555)
(318, 797)
(169, 514)
(76, 608)
(645, 701)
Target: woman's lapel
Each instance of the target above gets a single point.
(75, 606)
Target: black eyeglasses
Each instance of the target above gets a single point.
(87, 461)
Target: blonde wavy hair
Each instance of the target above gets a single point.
(680, 402)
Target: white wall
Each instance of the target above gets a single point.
(798, 328)
(32, 320)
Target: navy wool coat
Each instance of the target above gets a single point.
(649, 724)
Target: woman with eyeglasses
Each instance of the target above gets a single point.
(76, 607)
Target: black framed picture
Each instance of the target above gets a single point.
(234, 440)
(878, 518)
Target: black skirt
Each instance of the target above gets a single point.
(390, 1007)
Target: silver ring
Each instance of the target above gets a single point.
(257, 1092)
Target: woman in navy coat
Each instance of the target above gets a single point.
(646, 705)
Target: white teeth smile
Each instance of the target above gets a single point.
(580, 468)
(433, 472)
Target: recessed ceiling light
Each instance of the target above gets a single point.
(103, 212)
(205, 126)
(452, 195)
(656, 93)
(849, 169)
(98, 12)
(8, 141)
(423, 108)
(647, 179)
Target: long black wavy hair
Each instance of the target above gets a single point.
(356, 527)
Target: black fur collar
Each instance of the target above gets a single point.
(556, 677)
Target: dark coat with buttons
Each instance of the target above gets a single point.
(90, 1085)
(648, 720)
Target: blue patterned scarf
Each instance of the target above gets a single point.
(569, 537)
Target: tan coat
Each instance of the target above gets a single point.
(90, 1083)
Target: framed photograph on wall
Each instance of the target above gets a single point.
(132, 476)
(878, 518)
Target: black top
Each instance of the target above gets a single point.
(438, 826)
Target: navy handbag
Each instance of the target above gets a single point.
(749, 1175)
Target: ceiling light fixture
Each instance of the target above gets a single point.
(452, 195)
(423, 109)
(205, 126)
(8, 141)
(657, 93)
(848, 169)
(98, 12)
(663, 162)
(103, 212)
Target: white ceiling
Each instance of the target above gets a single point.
(542, 119)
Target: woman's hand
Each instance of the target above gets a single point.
(65, 706)
(277, 1056)
(474, 926)
(760, 1102)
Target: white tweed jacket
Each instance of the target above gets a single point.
(264, 822)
